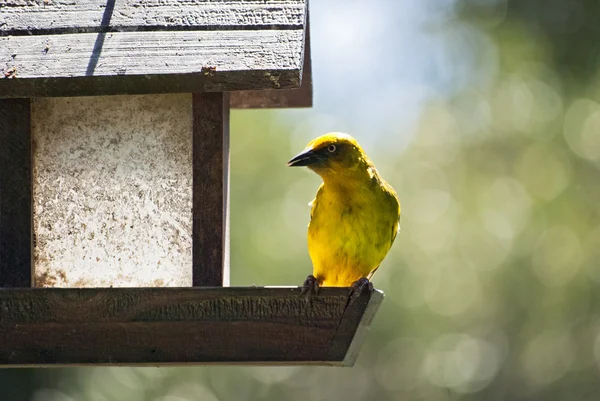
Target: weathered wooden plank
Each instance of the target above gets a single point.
(149, 62)
(15, 193)
(137, 326)
(103, 47)
(35, 17)
(210, 159)
(265, 99)
(259, 59)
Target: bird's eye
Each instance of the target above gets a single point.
(331, 148)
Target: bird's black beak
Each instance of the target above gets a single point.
(305, 158)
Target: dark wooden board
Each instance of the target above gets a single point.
(141, 326)
(99, 48)
(210, 189)
(282, 98)
(15, 193)
(39, 17)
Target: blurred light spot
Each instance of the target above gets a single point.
(481, 247)
(488, 12)
(328, 384)
(418, 175)
(410, 290)
(220, 379)
(267, 221)
(48, 394)
(461, 362)
(96, 396)
(581, 127)
(548, 105)
(526, 105)
(557, 256)
(426, 205)
(128, 377)
(106, 382)
(189, 391)
(472, 111)
(304, 377)
(592, 254)
(174, 398)
(497, 224)
(396, 364)
(150, 373)
(465, 57)
(439, 135)
(514, 105)
(424, 192)
(435, 236)
(584, 331)
(272, 375)
(507, 197)
(543, 173)
(597, 350)
(548, 357)
(451, 287)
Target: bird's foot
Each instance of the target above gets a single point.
(360, 286)
(311, 286)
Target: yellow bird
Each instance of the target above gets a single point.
(354, 218)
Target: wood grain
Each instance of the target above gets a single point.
(48, 327)
(141, 62)
(23, 16)
(94, 47)
(15, 193)
(282, 98)
(210, 160)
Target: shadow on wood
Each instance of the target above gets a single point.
(156, 326)
(15, 193)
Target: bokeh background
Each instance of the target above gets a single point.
(485, 117)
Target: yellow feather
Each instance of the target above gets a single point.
(354, 216)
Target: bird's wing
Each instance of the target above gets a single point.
(395, 229)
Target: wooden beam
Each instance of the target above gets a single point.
(282, 98)
(130, 15)
(15, 193)
(210, 189)
(105, 47)
(155, 326)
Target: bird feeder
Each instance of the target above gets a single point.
(114, 223)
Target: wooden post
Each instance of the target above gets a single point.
(15, 193)
(210, 158)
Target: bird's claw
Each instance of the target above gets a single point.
(360, 286)
(310, 286)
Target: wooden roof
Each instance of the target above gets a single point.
(98, 47)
